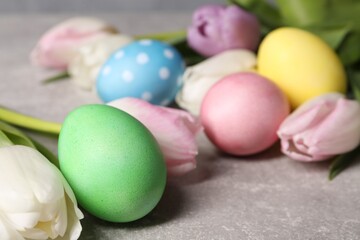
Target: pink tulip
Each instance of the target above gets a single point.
(216, 28)
(174, 129)
(321, 128)
(57, 46)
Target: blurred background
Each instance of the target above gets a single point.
(86, 6)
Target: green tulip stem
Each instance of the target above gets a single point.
(29, 122)
(164, 36)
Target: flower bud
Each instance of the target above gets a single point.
(36, 202)
(57, 46)
(174, 130)
(216, 28)
(321, 128)
(198, 79)
(88, 59)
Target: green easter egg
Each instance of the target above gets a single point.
(112, 162)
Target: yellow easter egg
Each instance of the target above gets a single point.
(301, 64)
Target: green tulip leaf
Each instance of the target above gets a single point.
(349, 51)
(343, 161)
(190, 56)
(47, 153)
(335, 21)
(10, 135)
(267, 13)
(15, 135)
(57, 77)
(333, 35)
(302, 13)
(4, 140)
(354, 81)
(343, 12)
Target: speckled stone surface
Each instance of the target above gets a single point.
(266, 196)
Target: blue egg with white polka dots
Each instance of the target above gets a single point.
(147, 69)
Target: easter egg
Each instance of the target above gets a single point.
(301, 64)
(145, 69)
(112, 163)
(242, 112)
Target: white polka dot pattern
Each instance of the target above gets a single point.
(106, 71)
(119, 55)
(165, 102)
(127, 76)
(142, 58)
(146, 69)
(164, 73)
(147, 96)
(168, 54)
(179, 81)
(145, 42)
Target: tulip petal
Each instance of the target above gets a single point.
(22, 221)
(16, 194)
(74, 230)
(57, 46)
(191, 95)
(204, 30)
(42, 211)
(200, 78)
(73, 214)
(288, 147)
(308, 115)
(42, 176)
(329, 138)
(35, 234)
(321, 128)
(60, 222)
(179, 167)
(50, 210)
(174, 130)
(7, 232)
(225, 63)
(88, 59)
(72, 200)
(299, 151)
(216, 28)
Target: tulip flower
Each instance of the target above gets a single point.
(174, 129)
(35, 200)
(57, 46)
(88, 59)
(216, 28)
(321, 128)
(198, 79)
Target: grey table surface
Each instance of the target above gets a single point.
(266, 196)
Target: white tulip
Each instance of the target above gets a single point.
(88, 59)
(57, 46)
(36, 202)
(198, 79)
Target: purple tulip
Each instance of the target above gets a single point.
(216, 28)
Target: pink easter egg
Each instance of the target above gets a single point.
(242, 112)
